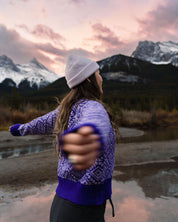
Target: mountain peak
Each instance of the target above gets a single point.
(35, 62)
(157, 53)
(7, 63)
(33, 72)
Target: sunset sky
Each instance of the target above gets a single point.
(50, 30)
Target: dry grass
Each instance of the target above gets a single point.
(135, 118)
(9, 116)
(149, 119)
(167, 118)
(129, 118)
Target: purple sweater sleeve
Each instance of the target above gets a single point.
(95, 114)
(92, 114)
(39, 126)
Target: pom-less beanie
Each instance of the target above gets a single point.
(78, 69)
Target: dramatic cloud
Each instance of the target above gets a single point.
(62, 54)
(107, 37)
(19, 49)
(108, 43)
(22, 50)
(162, 22)
(24, 27)
(49, 48)
(44, 32)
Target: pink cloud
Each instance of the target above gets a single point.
(106, 36)
(161, 22)
(44, 32)
(98, 27)
(49, 48)
(61, 54)
(107, 42)
(20, 49)
(24, 27)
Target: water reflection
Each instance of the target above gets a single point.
(31, 208)
(156, 180)
(18, 151)
(132, 205)
(141, 194)
(159, 134)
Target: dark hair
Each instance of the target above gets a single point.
(88, 89)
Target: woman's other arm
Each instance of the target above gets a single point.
(39, 126)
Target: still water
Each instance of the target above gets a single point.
(159, 134)
(130, 135)
(140, 194)
(19, 151)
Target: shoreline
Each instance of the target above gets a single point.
(9, 141)
(38, 169)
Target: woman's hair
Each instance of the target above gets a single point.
(88, 89)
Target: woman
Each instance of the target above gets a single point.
(83, 187)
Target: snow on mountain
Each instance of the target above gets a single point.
(157, 53)
(34, 72)
(119, 68)
(121, 76)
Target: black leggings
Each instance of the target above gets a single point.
(66, 211)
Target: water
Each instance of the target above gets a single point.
(130, 135)
(159, 134)
(147, 193)
(142, 194)
(19, 151)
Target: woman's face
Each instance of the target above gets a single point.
(99, 80)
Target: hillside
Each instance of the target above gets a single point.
(153, 85)
(128, 82)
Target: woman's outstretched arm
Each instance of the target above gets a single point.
(39, 126)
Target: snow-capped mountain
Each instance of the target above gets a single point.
(121, 76)
(33, 72)
(157, 53)
(132, 70)
(120, 68)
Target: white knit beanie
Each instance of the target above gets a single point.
(78, 69)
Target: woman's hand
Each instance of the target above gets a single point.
(82, 147)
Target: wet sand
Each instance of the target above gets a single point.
(39, 169)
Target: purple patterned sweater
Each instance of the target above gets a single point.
(86, 187)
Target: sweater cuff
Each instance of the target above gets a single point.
(14, 130)
(95, 129)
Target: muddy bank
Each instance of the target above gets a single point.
(29, 170)
(41, 168)
(38, 169)
(146, 152)
(9, 141)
